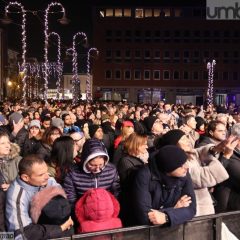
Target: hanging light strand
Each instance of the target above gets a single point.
(210, 90)
(24, 45)
(58, 65)
(88, 81)
(76, 90)
(46, 64)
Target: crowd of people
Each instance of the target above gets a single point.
(68, 169)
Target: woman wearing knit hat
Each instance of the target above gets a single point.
(205, 170)
(162, 191)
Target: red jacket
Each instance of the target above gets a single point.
(97, 210)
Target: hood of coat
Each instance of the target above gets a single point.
(41, 198)
(97, 205)
(14, 151)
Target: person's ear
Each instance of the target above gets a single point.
(24, 177)
(211, 133)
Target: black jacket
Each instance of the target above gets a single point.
(152, 189)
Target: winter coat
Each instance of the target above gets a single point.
(18, 215)
(44, 151)
(9, 165)
(78, 180)
(227, 193)
(97, 210)
(31, 146)
(152, 189)
(206, 171)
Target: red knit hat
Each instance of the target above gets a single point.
(97, 210)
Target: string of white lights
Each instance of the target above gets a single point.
(46, 46)
(24, 45)
(76, 90)
(88, 82)
(210, 90)
(59, 65)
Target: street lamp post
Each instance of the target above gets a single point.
(59, 66)
(63, 20)
(88, 82)
(76, 90)
(24, 45)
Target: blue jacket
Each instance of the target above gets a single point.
(19, 196)
(152, 189)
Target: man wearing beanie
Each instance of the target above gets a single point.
(154, 129)
(162, 191)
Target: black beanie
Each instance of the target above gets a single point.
(200, 121)
(170, 158)
(149, 121)
(92, 129)
(57, 211)
(170, 138)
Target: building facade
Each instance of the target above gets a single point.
(148, 53)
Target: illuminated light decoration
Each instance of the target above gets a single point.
(88, 82)
(46, 64)
(211, 68)
(23, 65)
(58, 66)
(76, 90)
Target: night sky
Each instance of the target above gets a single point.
(78, 11)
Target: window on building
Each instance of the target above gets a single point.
(195, 75)
(176, 56)
(225, 76)
(147, 74)
(197, 12)
(139, 13)
(205, 75)
(127, 12)
(156, 12)
(127, 54)
(156, 75)
(148, 12)
(108, 55)
(118, 56)
(196, 57)
(147, 36)
(147, 55)
(177, 12)
(127, 74)
(157, 36)
(157, 55)
(137, 36)
(118, 74)
(176, 75)
(166, 56)
(185, 75)
(109, 12)
(108, 74)
(109, 33)
(137, 74)
(235, 76)
(166, 75)
(167, 12)
(186, 56)
(137, 54)
(118, 12)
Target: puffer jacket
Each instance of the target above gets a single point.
(9, 164)
(97, 210)
(78, 181)
(206, 171)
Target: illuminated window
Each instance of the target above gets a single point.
(177, 12)
(138, 13)
(148, 12)
(167, 12)
(109, 12)
(101, 13)
(156, 12)
(118, 12)
(127, 12)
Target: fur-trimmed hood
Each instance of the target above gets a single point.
(14, 151)
(41, 198)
